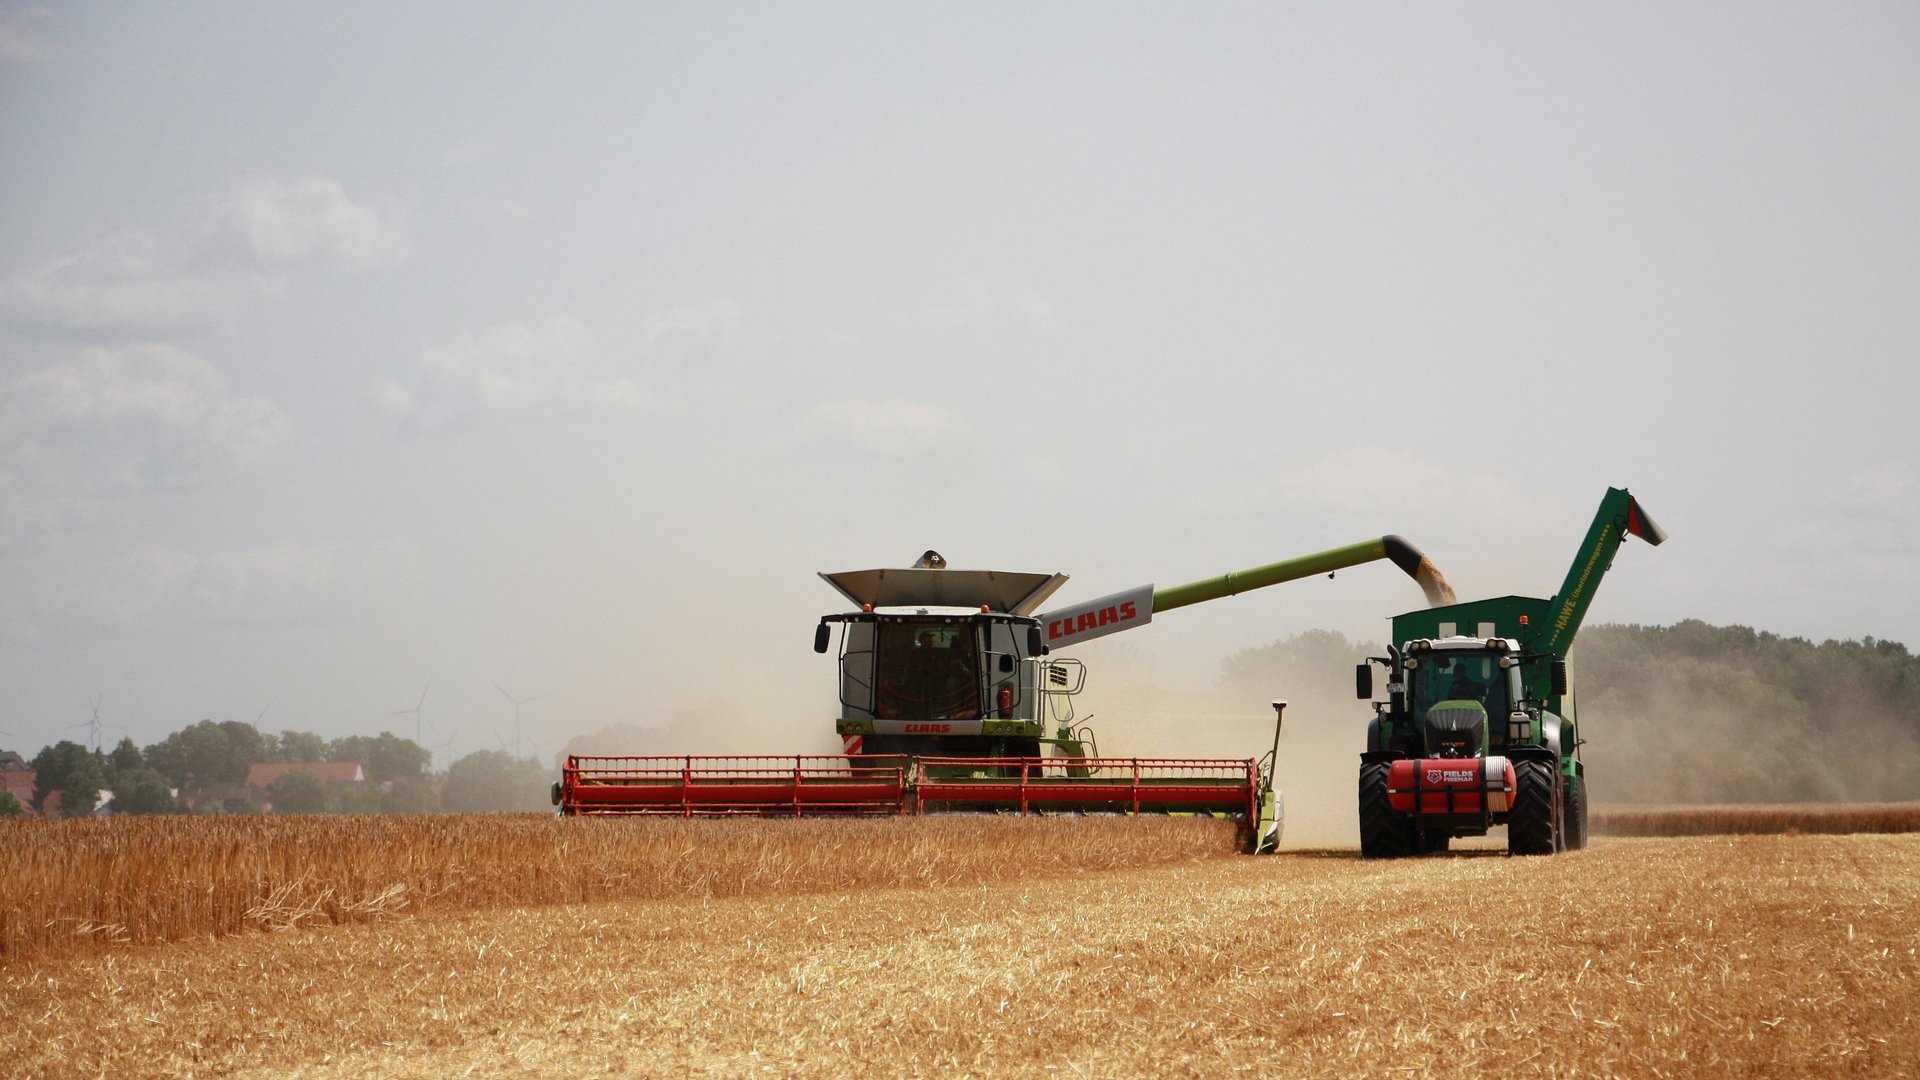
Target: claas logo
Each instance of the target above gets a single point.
(1091, 620)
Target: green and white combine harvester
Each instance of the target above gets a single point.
(1479, 726)
(952, 700)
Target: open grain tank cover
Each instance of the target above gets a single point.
(999, 590)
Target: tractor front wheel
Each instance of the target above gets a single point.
(1384, 832)
(1533, 824)
(1575, 825)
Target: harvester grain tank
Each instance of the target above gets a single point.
(1479, 726)
(952, 699)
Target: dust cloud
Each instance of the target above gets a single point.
(1138, 707)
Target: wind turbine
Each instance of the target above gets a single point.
(417, 737)
(517, 702)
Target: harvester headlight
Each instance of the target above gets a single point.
(1519, 727)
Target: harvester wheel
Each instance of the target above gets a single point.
(1532, 826)
(1384, 832)
(1575, 825)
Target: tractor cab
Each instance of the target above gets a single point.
(1455, 686)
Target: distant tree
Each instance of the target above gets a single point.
(409, 797)
(1312, 656)
(208, 753)
(1701, 713)
(489, 780)
(298, 792)
(125, 758)
(10, 806)
(301, 746)
(71, 769)
(143, 791)
(354, 799)
(386, 757)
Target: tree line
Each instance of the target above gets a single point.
(205, 767)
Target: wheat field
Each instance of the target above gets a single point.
(1714, 820)
(1022, 953)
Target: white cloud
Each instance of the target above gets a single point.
(700, 323)
(132, 283)
(975, 307)
(23, 36)
(115, 421)
(896, 428)
(147, 588)
(555, 365)
(311, 219)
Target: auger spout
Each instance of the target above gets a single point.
(1404, 555)
(1136, 607)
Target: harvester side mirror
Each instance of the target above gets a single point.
(1006, 662)
(1035, 646)
(821, 637)
(1363, 681)
(1559, 678)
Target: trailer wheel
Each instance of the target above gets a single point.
(1575, 813)
(1532, 825)
(1434, 840)
(1384, 832)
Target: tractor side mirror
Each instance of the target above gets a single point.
(821, 637)
(1363, 682)
(1006, 662)
(1035, 646)
(1559, 678)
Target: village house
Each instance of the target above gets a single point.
(16, 778)
(331, 773)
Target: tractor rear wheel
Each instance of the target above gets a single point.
(1533, 824)
(1575, 825)
(1384, 832)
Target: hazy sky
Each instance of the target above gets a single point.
(351, 348)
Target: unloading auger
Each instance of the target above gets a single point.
(952, 701)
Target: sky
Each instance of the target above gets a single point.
(535, 358)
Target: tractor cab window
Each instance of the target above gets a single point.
(927, 672)
(1467, 676)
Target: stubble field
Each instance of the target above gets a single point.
(985, 947)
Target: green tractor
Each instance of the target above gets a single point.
(1479, 725)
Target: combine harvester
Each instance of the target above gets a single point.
(952, 701)
(1478, 726)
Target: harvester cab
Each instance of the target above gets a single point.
(948, 662)
(1479, 725)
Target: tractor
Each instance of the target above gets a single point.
(1479, 725)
